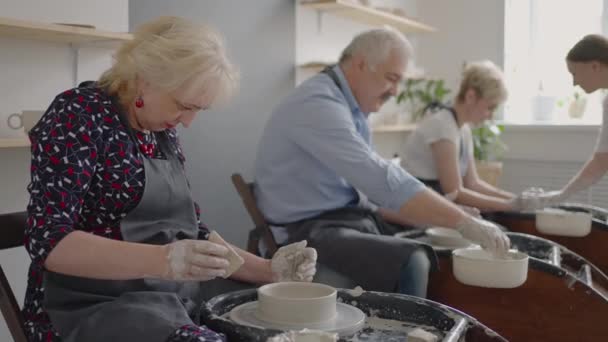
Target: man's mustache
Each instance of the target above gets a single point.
(386, 96)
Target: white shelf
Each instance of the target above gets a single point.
(22, 29)
(14, 142)
(367, 15)
(315, 66)
(318, 66)
(394, 128)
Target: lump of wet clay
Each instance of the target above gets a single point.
(421, 335)
(233, 257)
(356, 292)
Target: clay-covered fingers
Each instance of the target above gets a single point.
(470, 210)
(306, 273)
(207, 259)
(497, 242)
(487, 234)
(503, 244)
(204, 274)
(294, 262)
(196, 260)
(208, 247)
(308, 266)
(309, 256)
(294, 247)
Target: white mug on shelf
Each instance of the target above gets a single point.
(27, 119)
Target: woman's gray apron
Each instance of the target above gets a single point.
(91, 310)
(463, 150)
(358, 244)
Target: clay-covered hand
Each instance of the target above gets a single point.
(533, 190)
(199, 260)
(534, 200)
(470, 210)
(486, 234)
(294, 262)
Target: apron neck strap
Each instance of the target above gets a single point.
(329, 71)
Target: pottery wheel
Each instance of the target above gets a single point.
(349, 319)
(425, 239)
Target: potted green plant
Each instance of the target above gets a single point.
(489, 150)
(577, 106)
(418, 93)
(577, 103)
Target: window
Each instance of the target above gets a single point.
(538, 35)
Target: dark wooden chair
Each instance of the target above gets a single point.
(262, 231)
(12, 228)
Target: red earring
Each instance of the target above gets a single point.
(139, 102)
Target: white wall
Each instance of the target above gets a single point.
(467, 30)
(260, 39)
(32, 74)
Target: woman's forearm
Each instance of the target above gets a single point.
(490, 190)
(90, 256)
(592, 172)
(482, 201)
(429, 208)
(255, 269)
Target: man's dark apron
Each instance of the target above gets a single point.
(91, 310)
(357, 243)
(463, 149)
(360, 245)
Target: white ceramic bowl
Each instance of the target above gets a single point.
(446, 237)
(478, 267)
(296, 303)
(553, 221)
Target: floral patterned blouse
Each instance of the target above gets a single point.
(86, 174)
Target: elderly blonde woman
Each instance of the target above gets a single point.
(118, 249)
(440, 151)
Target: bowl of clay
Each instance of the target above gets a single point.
(553, 221)
(296, 303)
(477, 267)
(446, 237)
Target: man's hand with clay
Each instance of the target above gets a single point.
(486, 234)
(294, 262)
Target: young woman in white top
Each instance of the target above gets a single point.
(588, 63)
(440, 151)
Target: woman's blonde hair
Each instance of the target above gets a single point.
(486, 79)
(167, 52)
